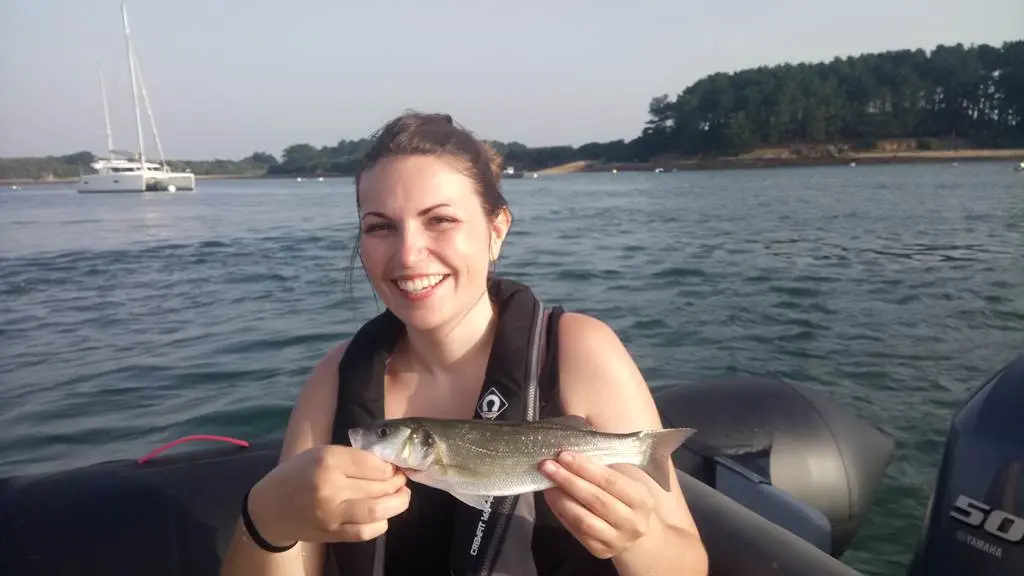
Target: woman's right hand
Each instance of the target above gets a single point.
(328, 494)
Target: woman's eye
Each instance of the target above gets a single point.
(442, 221)
(375, 227)
(433, 223)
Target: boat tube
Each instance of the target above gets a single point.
(779, 480)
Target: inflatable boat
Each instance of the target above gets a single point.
(778, 477)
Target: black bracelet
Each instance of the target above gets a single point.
(250, 529)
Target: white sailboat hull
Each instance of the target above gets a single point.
(136, 182)
(96, 183)
(182, 181)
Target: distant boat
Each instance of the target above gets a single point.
(130, 172)
(1019, 167)
(510, 172)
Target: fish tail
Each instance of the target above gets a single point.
(662, 443)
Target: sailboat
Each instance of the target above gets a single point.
(123, 171)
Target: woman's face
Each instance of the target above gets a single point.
(426, 242)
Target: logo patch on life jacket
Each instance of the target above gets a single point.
(491, 404)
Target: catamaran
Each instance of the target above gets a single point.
(123, 171)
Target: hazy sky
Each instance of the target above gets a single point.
(228, 77)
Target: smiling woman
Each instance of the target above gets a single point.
(458, 342)
(428, 253)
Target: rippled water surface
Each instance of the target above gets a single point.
(129, 320)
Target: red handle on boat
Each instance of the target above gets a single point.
(184, 439)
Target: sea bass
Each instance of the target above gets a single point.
(474, 460)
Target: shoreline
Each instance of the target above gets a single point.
(73, 179)
(787, 161)
(724, 163)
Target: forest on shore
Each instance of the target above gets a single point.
(953, 97)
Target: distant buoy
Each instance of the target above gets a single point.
(171, 188)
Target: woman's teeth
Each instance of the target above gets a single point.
(420, 284)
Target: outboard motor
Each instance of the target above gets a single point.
(975, 518)
(782, 450)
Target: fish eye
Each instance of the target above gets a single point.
(383, 431)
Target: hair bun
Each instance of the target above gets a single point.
(494, 160)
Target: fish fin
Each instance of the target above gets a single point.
(663, 444)
(570, 420)
(478, 501)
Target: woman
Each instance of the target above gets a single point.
(456, 342)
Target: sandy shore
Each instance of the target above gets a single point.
(760, 160)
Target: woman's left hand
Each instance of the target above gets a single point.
(605, 509)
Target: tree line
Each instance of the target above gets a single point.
(953, 96)
(72, 165)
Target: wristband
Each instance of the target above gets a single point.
(250, 529)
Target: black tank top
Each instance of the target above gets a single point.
(420, 540)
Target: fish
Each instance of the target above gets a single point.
(476, 460)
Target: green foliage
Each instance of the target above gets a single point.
(72, 165)
(46, 168)
(975, 93)
(308, 160)
(953, 96)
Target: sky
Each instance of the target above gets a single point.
(226, 78)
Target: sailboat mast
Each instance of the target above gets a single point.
(135, 95)
(106, 116)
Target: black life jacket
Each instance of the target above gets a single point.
(437, 534)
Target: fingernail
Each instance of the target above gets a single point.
(549, 467)
(566, 457)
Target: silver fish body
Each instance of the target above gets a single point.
(477, 459)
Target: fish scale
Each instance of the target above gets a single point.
(476, 459)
